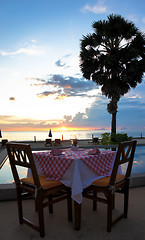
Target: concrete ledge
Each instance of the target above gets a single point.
(8, 191)
(137, 180)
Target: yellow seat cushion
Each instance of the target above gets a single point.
(103, 182)
(43, 181)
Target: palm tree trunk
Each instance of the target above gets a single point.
(113, 123)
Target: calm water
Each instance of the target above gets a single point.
(41, 136)
(138, 167)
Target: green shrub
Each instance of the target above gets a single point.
(105, 138)
(113, 138)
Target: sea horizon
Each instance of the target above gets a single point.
(65, 135)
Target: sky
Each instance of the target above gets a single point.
(41, 84)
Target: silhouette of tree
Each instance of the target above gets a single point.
(113, 57)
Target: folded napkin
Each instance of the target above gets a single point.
(94, 151)
(74, 148)
(56, 152)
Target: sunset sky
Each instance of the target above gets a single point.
(41, 85)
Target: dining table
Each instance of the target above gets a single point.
(76, 168)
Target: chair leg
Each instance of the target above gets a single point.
(113, 201)
(94, 201)
(41, 220)
(50, 206)
(19, 202)
(69, 205)
(36, 205)
(126, 196)
(109, 212)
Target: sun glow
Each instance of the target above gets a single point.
(72, 128)
(63, 128)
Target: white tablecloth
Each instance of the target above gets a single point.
(77, 177)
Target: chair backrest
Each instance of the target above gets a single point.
(124, 155)
(48, 141)
(21, 155)
(95, 140)
(57, 141)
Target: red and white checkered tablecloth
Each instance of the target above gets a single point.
(55, 166)
(102, 163)
(52, 166)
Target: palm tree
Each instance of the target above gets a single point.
(113, 57)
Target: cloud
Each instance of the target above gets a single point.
(67, 55)
(65, 86)
(68, 118)
(61, 62)
(29, 51)
(46, 94)
(12, 98)
(9, 122)
(98, 8)
(97, 116)
(60, 97)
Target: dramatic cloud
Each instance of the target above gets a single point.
(65, 86)
(8, 122)
(68, 118)
(98, 8)
(97, 116)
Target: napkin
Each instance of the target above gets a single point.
(94, 151)
(56, 152)
(74, 148)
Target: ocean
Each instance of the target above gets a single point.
(42, 135)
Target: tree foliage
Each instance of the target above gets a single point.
(113, 56)
(107, 138)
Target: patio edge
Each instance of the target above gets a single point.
(8, 191)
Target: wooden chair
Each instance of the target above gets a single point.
(115, 183)
(44, 191)
(95, 140)
(48, 141)
(57, 142)
(4, 141)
